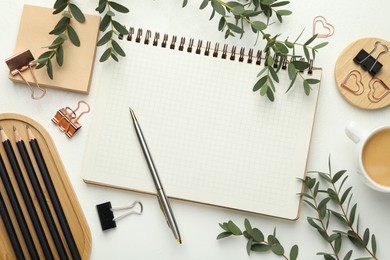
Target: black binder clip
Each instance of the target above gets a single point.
(67, 119)
(369, 63)
(21, 62)
(106, 213)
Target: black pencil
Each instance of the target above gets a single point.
(40, 195)
(10, 230)
(53, 195)
(32, 212)
(17, 210)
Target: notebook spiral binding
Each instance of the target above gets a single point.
(207, 50)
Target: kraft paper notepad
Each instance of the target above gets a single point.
(75, 73)
(212, 139)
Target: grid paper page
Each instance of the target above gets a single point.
(212, 139)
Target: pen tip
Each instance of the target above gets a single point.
(179, 241)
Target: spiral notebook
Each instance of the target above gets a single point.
(212, 139)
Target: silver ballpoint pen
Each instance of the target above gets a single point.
(162, 198)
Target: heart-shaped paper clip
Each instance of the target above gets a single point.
(378, 90)
(321, 25)
(353, 83)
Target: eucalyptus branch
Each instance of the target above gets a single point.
(342, 198)
(256, 240)
(114, 28)
(64, 31)
(286, 50)
(323, 217)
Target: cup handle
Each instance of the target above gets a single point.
(354, 132)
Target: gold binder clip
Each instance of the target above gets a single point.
(21, 62)
(67, 119)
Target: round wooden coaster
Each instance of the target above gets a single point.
(355, 83)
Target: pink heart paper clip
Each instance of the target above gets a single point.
(320, 20)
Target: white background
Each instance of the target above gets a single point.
(147, 236)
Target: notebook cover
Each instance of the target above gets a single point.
(75, 73)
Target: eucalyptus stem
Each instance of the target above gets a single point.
(324, 227)
(64, 31)
(350, 224)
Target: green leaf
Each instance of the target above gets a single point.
(300, 65)
(118, 7)
(354, 239)
(323, 203)
(59, 3)
(60, 8)
(238, 10)
(313, 81)
(105, 38)
(118, 48)
(235, 28)
(249, 246)
(257, 235)
(248, 226)
(234, 229)
(306, 87)
(204, 4)
(223, 235)
(259, 26)
(307, 53)
(366, 237)
(282, 49)
(337, 244)
(352, 214)
(221, 23)
(110, 13)
(267, 2)
(106, 54)
(60, 55)
(277, 249)
(76, 12)
(59, 29)
(273, 74)
(218, 7)
(101, 7)
(120, 28)
(283, 12)
(260, 83)
(114, 57)
(345, 195)
(373, 244)
(294, 252)
(270, 95)
(49, 69)
(292, 71)
(348, 255)
(338, 175)
(264, 90)
(104, 23)
(73, 36)
(321, 45)
(310, 40)
(260, 247)
(224, 226)
(278, 4)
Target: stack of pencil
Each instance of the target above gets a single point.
(40, 248)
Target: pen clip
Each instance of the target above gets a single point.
(163, 211)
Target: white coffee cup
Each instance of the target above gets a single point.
(372, 163)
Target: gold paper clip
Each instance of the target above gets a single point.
(67, 119)
(21, 62)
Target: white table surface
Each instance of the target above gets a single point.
(147, 236)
